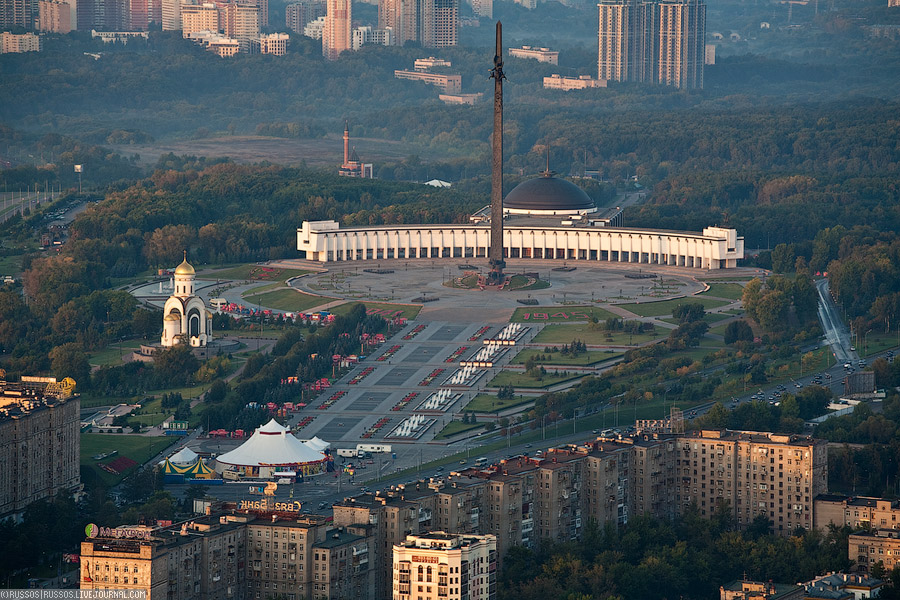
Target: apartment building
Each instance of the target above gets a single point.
(336, 36)
(655, 41)
(236, 556)
(440, 565)
(776, 475)
(545, 55)
(582, 82)
(450, 84)
(298, 14)
(240, 22)
(856, 511)
(199, 17)
(56, 16)
(39, 429)
(19, 42)
(272, 43)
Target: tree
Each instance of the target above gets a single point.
(783, 258)
(738, 331)
(69, 360)
(689, 312)
(176, 364)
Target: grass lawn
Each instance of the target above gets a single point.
(483, 403)
(112, 354)
(558, 314)
(708, 317)
(878, 342)
(556, 358)
(138, 448)
(725, 290)
(255, 272)
(454, 427)
(289, 300)
(517, 379)
(554, 335)
(520, 283)
(11, 265)
(381, 308)
(665, 307)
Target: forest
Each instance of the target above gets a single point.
(654, 559)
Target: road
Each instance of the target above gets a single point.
(836, 334)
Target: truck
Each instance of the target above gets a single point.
(231, 475)
(375, 448)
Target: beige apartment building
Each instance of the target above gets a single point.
(856, 511)
(450, 84)
(56, 16)
(241, 23)
(545, 55)
(336, 36)
(231, 557)
(39, 438)
(439, 565)
(199, 17)
(776, 475)
(868, 548)
(582, 82)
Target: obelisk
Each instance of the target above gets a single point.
(496, 256)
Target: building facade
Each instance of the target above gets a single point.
(582, 82)
(39, 441)
(545, 55)
(20, 42)
(299, 14)
(336, 37)
(185, 318)
(17, 13)
(56, 16)
(450, 84)
(440, 565)
(714, 248)
(440, 23)
(199, 17)
(652, 41)
(241, 22)
(272, 43)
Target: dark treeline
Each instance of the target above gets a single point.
(654, 559)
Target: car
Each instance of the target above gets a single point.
(846, 365)
(440, 469)
(462, 462)
(323, 505)
(827, 375)
(528, 445)
(595, 431)
(798, 385)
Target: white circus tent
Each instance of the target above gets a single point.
(272, 448)
(317, 444)
(185, 456)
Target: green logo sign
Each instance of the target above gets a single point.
(91, 530)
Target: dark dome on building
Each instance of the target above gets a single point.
(548, 195)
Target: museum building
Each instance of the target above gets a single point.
(545, 218)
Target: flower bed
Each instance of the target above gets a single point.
(334, 398)
(406, 400)
(361, 375)
(456, 354)
(380, 423)
(414, 332)
(303, 423)
(479, 333)
(389, 353)
(431, 377)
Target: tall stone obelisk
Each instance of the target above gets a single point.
(496, 256)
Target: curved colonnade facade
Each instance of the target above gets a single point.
(714, 248)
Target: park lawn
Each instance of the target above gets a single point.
(112, 354)
(558, 314)
(708, 317)
(520, 283)
(725, 290)
(518, 379)
(243, 272)
(665, 307)
(590, 357)
(288, 300)
(139, 448)
(455, 427)
(878, 342)
(486, 403)
(554, 335)
(11, 265)
(381, 308)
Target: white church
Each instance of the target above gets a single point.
(186, 319)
